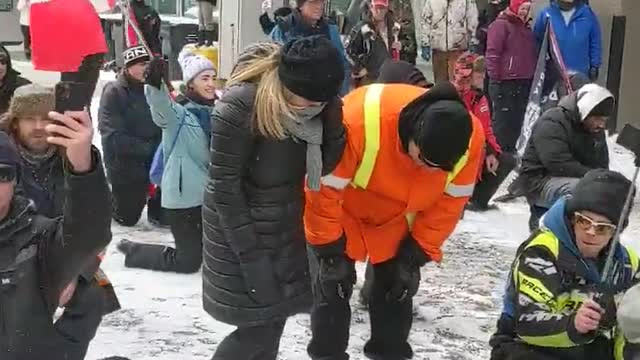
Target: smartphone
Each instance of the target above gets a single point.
(70, 96)
(629, 138)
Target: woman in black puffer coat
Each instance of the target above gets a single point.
(279, 120)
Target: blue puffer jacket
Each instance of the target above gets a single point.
(580, 40)
(185, 171)
(293, 27)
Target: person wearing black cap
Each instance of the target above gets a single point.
(566, 142)
(276, 129)
(129, 141)
(308, 19)
(550, 311)
(41, 256)
(402, 72)
(410, 165)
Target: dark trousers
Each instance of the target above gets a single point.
(129, 200)
(489, 184)
(391, 322)
(510, 98)
(82, 316)
(251, 343)
(26, 35)
(88, 73)
(186, 257)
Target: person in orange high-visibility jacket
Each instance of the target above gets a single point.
(409, 167)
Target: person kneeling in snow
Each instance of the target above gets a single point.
(40, 256)
(550, 311)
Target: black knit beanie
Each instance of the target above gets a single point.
(602, 192)
(400, 72)
(439, 123)
(311, 67)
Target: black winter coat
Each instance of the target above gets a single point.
(129, 135)
(255, 259)
(43, 183)
(40, 256)
(560, 147)
(9, 84)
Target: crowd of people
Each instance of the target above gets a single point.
(327, 146)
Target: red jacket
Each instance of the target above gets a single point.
(479, 106)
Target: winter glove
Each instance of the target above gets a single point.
(154, 72)
(260, 279)
(336, 272)
(426, 53)
(594, 73)
(405, 268)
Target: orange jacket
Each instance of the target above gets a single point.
(400, 195)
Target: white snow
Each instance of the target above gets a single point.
(456, 307)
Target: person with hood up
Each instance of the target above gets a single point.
(566, 142)
(551, 310)
(41, 256)
(577, 30)
(41, 180)
(10, 80)
(411, 162)
(511, 63)
(149, 22)
(372, 41)
(186, 130)
(129, 141)
(469, 80)
(308, 19)
(277, 127)
(448, 30)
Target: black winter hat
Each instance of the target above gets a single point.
(400, 72)
(439, 123)
(311, 67)
(135, 55)
(601, 191)
(8, 151)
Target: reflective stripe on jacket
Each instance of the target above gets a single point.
(377, 193)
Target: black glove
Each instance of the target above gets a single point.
(259, 276)
(405, 269)
(336, 272)
(154, 72)
(594, 72)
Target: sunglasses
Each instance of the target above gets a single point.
(600, 228)
(8, 173)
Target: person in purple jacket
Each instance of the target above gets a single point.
(511, 64)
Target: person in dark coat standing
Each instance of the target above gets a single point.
(511, 64)
(40, 256)
(42, 180)
(129, 141)
(566, 142)
(10, 80)
(279, 120)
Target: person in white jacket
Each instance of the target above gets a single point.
(23, 6)
(448, 29)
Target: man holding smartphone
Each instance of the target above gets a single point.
(41, 179)
(40, 256)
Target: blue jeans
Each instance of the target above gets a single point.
(554, 189)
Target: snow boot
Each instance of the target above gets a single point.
(202, 37)
(211, 36)
(124, 246)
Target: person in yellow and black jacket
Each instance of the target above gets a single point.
(550, 310)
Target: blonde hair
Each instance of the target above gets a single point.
(259, 64)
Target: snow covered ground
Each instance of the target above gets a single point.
(457, 305)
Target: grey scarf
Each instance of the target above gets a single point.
(307, 128)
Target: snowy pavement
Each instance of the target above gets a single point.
(456, 307)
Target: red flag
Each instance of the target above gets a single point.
(63, 32)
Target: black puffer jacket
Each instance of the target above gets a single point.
(255, 263)
(129, 135)
(560, 146)
(39, 257)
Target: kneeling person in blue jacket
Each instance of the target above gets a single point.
(549, 309)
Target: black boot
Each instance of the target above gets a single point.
(211, 36)
(202, 37)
